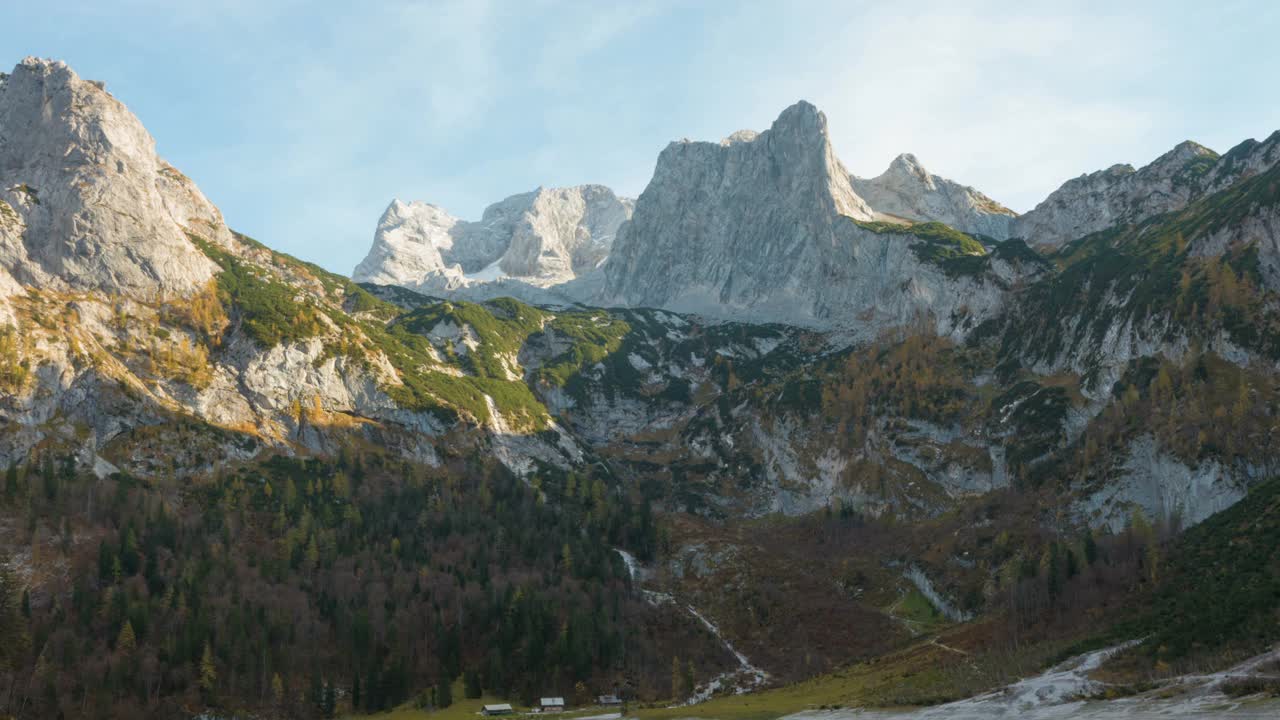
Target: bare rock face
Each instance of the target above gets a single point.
(764, 228)
(730, 223)
(407, 244)
(93, 206)
(541, 238)
(759, 227)
(1121, 195)
(907, 190)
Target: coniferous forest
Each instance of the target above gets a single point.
(283, 584)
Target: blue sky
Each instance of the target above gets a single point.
(302, 120)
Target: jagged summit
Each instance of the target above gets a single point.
(907, 164)
(543, 237)
(1123, 195)
(730, 228)
(766, 228)
(740, 136)
(92, 205)
(907, 190)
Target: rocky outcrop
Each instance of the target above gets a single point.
(1163, 488)
(760, 227)
(97, 208)
(768, 228)
(113, 317)
(907, 190)
(1121, 195)
(541, 238)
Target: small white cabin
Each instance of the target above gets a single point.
(552, 704)
(498, 709)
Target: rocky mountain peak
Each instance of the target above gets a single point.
(93, 206)
(907, 190)
(740, 136)
(543, 237)
(907, 165)
(802, 118)
(799, 142)
(759, 227)
(1122, 195)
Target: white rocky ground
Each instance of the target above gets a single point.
(1061, 692)
(742, 679)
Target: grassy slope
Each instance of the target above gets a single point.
(957, 253)
(464, 708)
(279, 299)
(933, 670)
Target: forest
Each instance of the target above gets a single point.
(311, 587)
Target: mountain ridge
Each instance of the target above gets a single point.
(825, 436)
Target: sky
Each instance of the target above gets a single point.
(302, 120)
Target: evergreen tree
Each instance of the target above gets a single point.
(49, 478)
(126, 641)
(444, 693)
(11, 481)
(208, 671)
(471, 681)
(12, 628)
(1090, 548)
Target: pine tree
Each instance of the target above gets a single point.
(49, 479)
(13, 637)
(313, 553)
(208, 671)
(1053, 571)
(471, 681)
(126, 641)
(11, 481)
(1090, 548)
(444, 693)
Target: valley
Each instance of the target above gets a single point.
(769, 439)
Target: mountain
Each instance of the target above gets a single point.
(1121, 195)
(805, 432)
(129, 303)
(756, 226)
(907, 190)
(85, 202)
(542, 238)
(768, 227)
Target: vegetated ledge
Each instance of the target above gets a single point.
(957, 253)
